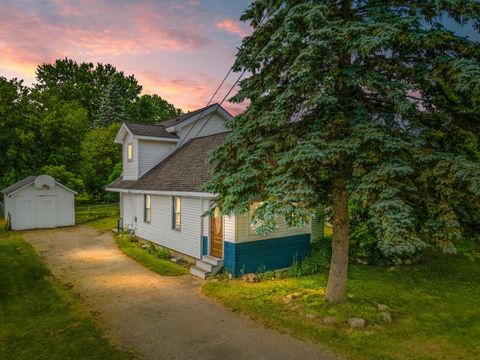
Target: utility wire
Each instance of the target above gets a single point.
(219, 87)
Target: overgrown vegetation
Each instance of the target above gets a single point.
(153, 257)
(434, 306)
(39, 318)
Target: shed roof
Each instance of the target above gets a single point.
(186, 169)
(19, 184)
(27, 181)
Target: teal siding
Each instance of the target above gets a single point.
(268, 254)
(204, 245)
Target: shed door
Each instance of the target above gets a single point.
(23, 213)
(46, 211)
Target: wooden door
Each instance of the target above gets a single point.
(216, 236)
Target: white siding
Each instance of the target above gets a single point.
(64, 205)
(130, 168)
(6, 206)
(152, 152)
(244, 233)
(229, 228)
(215, 125)
(205, 219)
(159, 230)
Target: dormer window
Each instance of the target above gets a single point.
(129, 152)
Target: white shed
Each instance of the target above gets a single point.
(39, 202)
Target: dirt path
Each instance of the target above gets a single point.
(158, 317)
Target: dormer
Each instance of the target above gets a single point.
(144, 146)
(202, 122)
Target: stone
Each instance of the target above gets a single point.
(287, 299)
(397, 262)
(144, 246)
(386, 317)
(357, 323)
(364, 262)
(330, 320)
(383, 307)
(296, 295)
(251, 278)
(407, 262)
(174, 259)
(311, 316)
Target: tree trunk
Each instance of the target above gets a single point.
(337, 278)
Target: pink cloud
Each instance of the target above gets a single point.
(232, 26)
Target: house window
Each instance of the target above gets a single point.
(176, 211)
(130, 152)
(253, 223)
(147, 208)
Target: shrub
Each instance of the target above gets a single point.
(317, 261)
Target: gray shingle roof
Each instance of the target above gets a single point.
(179, 119)
(19, 184)
(154, 130)
(186, 169)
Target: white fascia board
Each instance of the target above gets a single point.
(15, 191)
(168, 193)
(121, 134)
(154, 138)
(66, 188)
(190, 120)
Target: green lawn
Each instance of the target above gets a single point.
(152, 262)
(90, 212)
(435, 307)
(40, 319)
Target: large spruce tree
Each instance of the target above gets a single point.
(373, 101)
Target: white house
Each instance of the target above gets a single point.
(39, 202)
(164, 166)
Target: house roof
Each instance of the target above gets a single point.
(186, 169)
(154, 130)
(19, 184)
(181, 118)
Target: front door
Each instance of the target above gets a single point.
(216, 236)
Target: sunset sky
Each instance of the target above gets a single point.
(178, 49)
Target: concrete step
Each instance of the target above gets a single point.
(209, 259)
(201, 273)
(204, 265)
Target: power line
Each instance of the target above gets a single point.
(219, 87)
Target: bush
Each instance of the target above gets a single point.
(317, 261)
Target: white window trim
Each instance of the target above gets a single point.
(129, 146)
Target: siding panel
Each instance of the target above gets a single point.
(151, 153)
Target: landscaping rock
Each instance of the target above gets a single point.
(144, 246)
(386, 317)
(174, 259)
(357, 323)
(330, 320)
(407, 262)
(397, 262)
(311, 316)
(287, 299)
(383, 307)
(296, 295)
(251, 278)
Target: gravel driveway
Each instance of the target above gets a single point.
(156, 316)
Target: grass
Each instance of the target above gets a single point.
(435, 307)
(90, 212)
(105, 224)
(150, 261)
(40, 319)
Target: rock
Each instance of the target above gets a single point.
(386, 317)
(383, 307)
(311, 316)
(251, 278)
(397, 262)
(364, 262)
(287, 299)
(296, 295)
(359, 261)
(407, 262)
(144, 246)
(357, 323)
(330, 320)
(174, 260)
